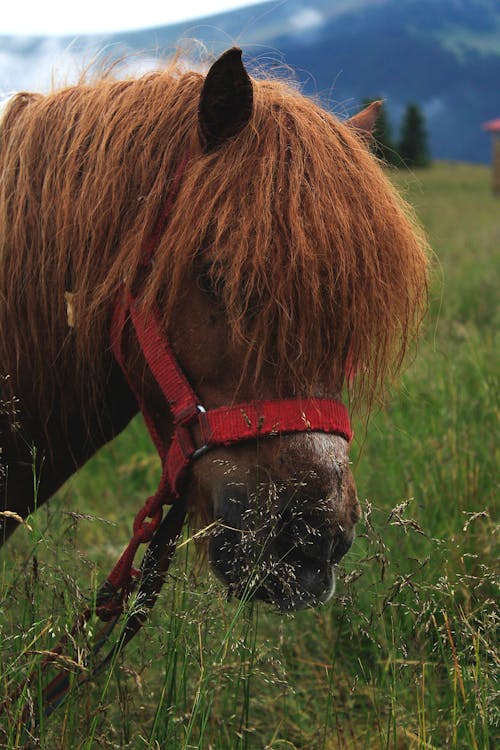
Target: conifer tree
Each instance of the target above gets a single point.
(413, 146)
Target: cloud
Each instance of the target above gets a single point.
(306, 19)
(36, 65)
(43, 64)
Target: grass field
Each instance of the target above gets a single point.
(406, 656)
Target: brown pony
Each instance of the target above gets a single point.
(287, 266)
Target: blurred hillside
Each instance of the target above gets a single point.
(442, 54)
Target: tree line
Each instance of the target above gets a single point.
(412, 147)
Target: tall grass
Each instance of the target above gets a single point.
(405, 656)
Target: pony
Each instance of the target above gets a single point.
(284, 266)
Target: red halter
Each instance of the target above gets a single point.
(223, 426)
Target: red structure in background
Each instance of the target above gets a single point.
(493, 127)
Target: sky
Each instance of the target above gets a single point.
(58, 17)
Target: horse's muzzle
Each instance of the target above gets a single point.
(285, 557)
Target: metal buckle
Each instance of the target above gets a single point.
(203, 448)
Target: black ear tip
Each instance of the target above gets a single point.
(229, 61)
(226, 100)
(235, 52)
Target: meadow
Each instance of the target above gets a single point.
(404, 657)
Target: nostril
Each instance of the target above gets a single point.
(299, 539)
(234, 504)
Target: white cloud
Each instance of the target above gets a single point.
(51, 63)
(35, 69)
(306, 19)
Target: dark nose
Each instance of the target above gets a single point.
(288, 555)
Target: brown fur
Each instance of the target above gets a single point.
(311, 251)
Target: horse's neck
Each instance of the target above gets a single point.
(38, 458)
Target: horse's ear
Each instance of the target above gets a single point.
(226, 100)
(365, 120)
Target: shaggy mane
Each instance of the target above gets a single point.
(312, 252)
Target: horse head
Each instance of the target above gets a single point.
(279, 265)
(281, 509)
(284, 505)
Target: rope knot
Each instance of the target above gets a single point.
(144, 530)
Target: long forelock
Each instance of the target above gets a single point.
(319, 263)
